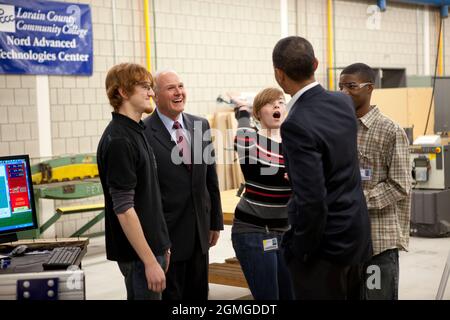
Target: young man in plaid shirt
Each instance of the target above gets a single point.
(386, 176)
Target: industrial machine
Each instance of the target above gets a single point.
(430, 161)
(66, 178)
(430, 207)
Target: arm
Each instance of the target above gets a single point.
(242, 115)
(308, 212)
(132, 228)
(398, 183)
(245, 139)
(241, 110)
(212, 185)
(121, 180)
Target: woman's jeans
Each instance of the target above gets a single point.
(265, 271)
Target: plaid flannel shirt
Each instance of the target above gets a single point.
(383, 148)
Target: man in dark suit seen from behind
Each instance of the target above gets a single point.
(329, 239)
(189, 187)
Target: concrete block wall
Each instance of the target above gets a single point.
(312, 24)
(18, 129)
(216, 46)
(434, 35)
(79, 106)
(292, 17)
(79, 109)
(394, 41)
(446, 38)
(397, 43)
(446, 29)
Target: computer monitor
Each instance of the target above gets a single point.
(17, 207)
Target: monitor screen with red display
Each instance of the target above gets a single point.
(17, 207)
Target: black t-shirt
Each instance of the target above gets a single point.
(126, 162)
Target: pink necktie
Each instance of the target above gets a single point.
(183, 146)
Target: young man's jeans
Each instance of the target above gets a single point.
(381, 274)
(265, 271)
(136, 281)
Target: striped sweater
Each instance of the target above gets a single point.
(267, 191)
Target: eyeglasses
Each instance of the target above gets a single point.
(145, 85)
(353, 85)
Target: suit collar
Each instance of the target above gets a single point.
(300, 92)
(312, 91)
(188, 123)
(163, 136)
(168, 122)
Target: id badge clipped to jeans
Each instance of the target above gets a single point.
(270, 244)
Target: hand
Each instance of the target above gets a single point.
(167, 256)
(233, 95)
(286, 176)
(366, 195)
(156, 280)
(213, 237)
(244, 108)
(240, 104)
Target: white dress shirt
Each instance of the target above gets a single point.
(168, 123)
(296, 96)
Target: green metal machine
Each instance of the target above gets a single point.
(66, 178)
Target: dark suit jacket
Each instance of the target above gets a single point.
(191, 199)
(327, 211)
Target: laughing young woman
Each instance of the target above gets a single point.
(261, 215)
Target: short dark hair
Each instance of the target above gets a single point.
(363, 70)
(295, 56)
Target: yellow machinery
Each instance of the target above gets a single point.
(66, 178)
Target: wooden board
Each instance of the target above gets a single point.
(220, 121)
(233, 260)
(393, 103)
(238, 177)
(229, 274)
(407, 106)
(229, 201)
(228, 169)
(418, 106)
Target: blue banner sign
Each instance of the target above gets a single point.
(45, 37)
